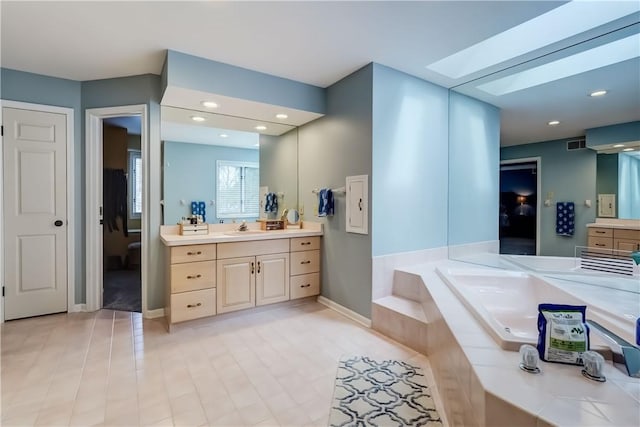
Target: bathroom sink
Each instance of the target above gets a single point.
(244, 233)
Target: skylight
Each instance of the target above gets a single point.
(567, 20)
(601, 56)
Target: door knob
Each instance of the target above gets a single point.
(58, 223)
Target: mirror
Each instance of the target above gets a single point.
(227, 163)
(619, 174)
(293, 217)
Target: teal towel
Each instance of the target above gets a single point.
(636, 257)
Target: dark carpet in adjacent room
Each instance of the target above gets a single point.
(122, 290)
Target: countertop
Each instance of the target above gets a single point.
(170, 235)
(627, 224)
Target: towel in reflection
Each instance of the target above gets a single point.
(198, 208)
(565, 218)
(271, 203)
(325, 202)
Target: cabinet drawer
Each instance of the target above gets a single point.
(621, 233)
(600, 232)
(192, 276)
(191, 253)
(305, 244)
(305, 285)
(600, 242)
(256, 247)
(192, 305)
(305, 262)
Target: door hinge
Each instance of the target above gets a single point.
(3, 291)
(2, 130)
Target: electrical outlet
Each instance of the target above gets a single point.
(301, 210)
(550, 195)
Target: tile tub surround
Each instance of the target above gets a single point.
(275, 367)
(482, 384)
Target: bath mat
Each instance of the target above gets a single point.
(385, 393)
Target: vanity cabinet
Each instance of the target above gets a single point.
(191, 290)
(622, 239)
(305, 267)
(215, 278)
(258, 279)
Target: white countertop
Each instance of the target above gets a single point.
(170, 234)
(627, 224)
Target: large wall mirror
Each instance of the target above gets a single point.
(228, 162)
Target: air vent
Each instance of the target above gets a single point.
(576, 144)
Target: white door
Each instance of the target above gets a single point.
(35, 213)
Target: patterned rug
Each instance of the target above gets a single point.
(381, 393)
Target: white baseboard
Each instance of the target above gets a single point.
(154, 314)
(345, 311)
(77, 308)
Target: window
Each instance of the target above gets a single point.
(135, 184)
(237, 190)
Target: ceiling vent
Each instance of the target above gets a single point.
(576, 144)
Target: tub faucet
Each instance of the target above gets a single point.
(626, 356)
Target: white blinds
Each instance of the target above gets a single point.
(237, 190)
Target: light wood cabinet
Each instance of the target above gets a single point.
(622, 239)
(191, 287)
(305, 267)
(209, 279)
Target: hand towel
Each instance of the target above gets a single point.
(198, 208)
(565, 218)
(271, 203)
(325, 202)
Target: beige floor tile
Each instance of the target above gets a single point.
(276, 367)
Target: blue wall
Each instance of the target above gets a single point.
(622, 132)
(607, 176)
(628, 186)
(474, 170)
(409, 181)
(190, 174)
(45, 90)
(330, 149)
(571, 176)
(192, 72)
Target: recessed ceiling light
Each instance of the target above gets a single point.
(618, 146)
(553, 123)
(281, 116)
(209, 104)
(224, 135)
(627, 149)
(598, 93)
(261, 127)
(197, 118)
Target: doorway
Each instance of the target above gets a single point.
(117, 208)
(122, 213)
(519, 208)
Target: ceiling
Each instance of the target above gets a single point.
(316, 43)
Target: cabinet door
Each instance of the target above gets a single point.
(626, 245)
(236, 284)
(272, 278)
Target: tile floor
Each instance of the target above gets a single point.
(111, 368)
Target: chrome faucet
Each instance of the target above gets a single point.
(626, 356)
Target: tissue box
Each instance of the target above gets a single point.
(194, 229)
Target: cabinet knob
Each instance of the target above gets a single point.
(305, 286)
(305, 262)
(600, 244)
(305, 243)
(197, 276)
(194, 305)
(194, 253)
(252, 268)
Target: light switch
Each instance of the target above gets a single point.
(587, 203)
(547, 202)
